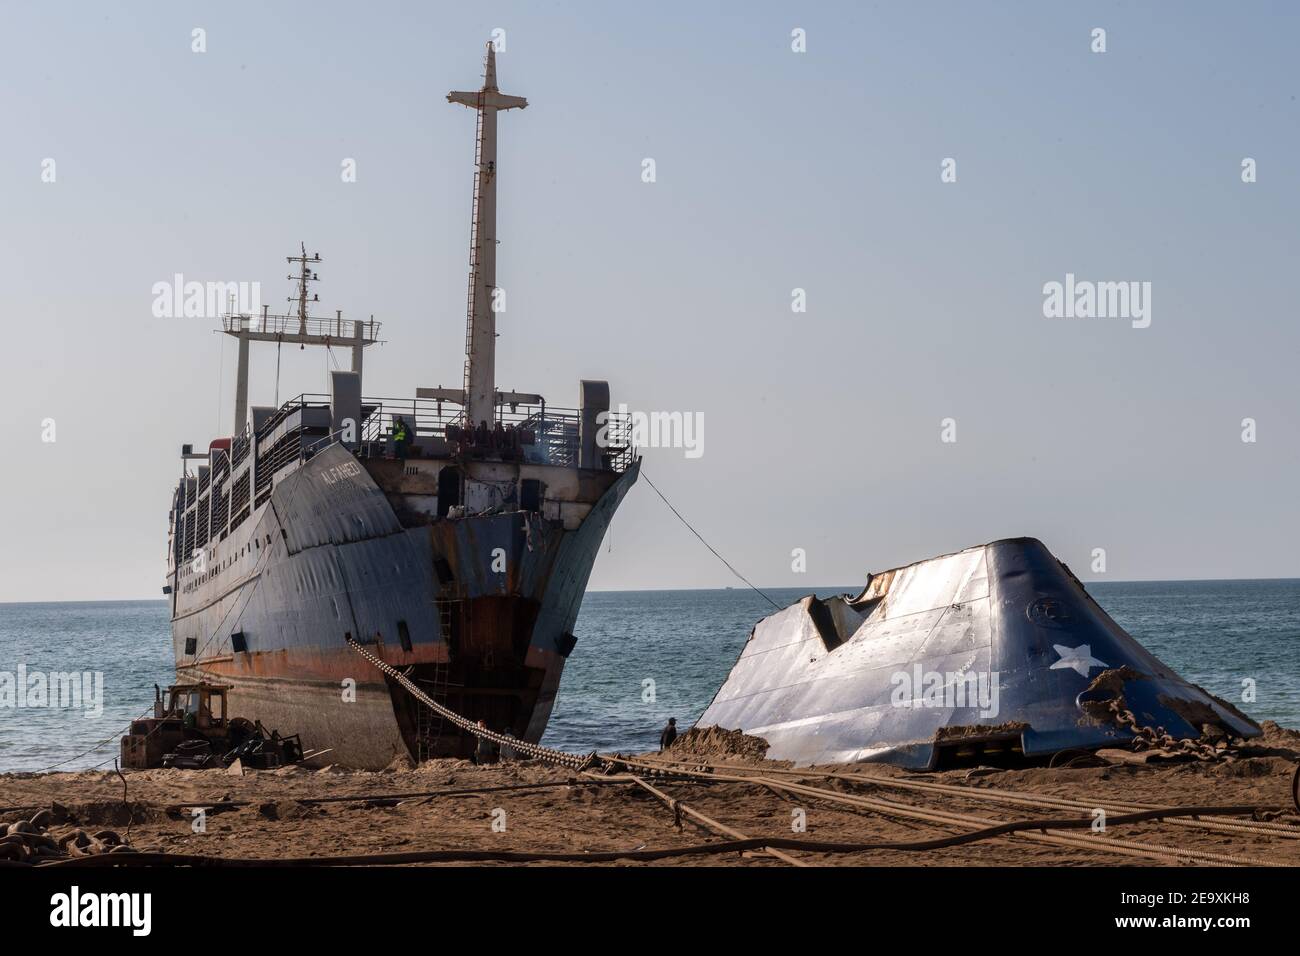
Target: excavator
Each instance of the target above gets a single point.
(191, 728)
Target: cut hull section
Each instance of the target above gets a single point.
(996, 650)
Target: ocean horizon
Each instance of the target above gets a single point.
(1089, 584)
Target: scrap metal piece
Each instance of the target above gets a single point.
(997, 646)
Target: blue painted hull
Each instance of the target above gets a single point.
(997, 650)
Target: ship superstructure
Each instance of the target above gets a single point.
(454, 530)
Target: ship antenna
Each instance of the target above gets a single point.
(480, 327)
(304, 276)
(280, 329)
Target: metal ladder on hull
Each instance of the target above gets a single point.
(429, 724)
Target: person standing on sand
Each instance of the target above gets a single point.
(669, 734)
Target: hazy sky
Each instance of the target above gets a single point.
(776, 170)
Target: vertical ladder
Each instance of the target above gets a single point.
(446, 602)
(473, 251)
(424, 731)
(428, 721)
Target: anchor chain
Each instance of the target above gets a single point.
(1157, 738)
(537, 751)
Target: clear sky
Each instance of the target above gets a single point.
(775, 170)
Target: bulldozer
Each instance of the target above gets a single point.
(191, 728)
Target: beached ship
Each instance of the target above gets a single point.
(995, 654)
(454, 531)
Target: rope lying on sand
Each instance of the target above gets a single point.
(680, 808)
(1097, 842)
(355, 798)
(31, 842)
(394, 798)
(610, 856)
(1260, 824)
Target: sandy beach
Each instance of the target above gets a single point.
(529, 807)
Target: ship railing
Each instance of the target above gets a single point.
(616, 441)
(555, 432)
(296, 404)
(239, 448)
(219, 498)
(552, 433)
(344, 330)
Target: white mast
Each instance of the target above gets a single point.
(480, 333)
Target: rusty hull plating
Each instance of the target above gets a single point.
(481, 608)
(995, 650)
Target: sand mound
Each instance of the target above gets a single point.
(718, 743)
(93, 813)
(1276, 741)
(286, 810)
(1254, 767)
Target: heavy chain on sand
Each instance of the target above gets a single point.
(1157, 738)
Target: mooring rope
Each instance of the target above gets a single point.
(706, 544)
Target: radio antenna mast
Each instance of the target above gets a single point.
(305, 275)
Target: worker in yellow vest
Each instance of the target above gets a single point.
(401, 437)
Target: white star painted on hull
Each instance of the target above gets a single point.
(1080, 658)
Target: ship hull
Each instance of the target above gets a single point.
(996, 652)
(481, 609)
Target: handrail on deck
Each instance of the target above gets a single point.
(345, 330)
(552, 434)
